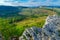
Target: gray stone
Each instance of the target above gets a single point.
(48, 32)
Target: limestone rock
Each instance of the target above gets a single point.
(52, 25)
(50, 30)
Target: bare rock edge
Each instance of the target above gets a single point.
(50, 30)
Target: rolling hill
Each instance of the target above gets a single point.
(14, 20)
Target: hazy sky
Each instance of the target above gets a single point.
(30, 2)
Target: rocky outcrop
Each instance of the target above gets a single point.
(50, 30)
(1, 37)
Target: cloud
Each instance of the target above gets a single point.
(23, 2)
(29, 2)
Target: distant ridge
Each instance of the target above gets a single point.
(52, 6)
(8, 8)
(12, 8)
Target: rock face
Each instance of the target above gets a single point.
(1, 37)
(50, 30)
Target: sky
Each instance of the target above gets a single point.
(30, 2)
